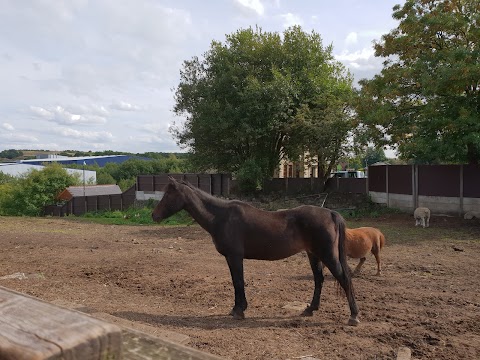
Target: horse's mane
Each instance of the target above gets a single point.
(203, 194)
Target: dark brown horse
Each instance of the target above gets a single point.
(241, 231)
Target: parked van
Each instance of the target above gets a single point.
(348, 174)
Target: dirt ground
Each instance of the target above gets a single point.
(172, 278)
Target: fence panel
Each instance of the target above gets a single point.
(103, 202)
(145, 183)
(91, 203)
(79, 205)
(439, 180)
(226, 179)
(352, 185)
(400, 179)
(205, 182)
(128, 197)
(377, 178)
(192, 179)
(116, 202)
(471, 181)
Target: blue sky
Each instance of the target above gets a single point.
(98, 74)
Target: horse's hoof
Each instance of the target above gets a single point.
(307, 312)
(237, 316)
(353, 321)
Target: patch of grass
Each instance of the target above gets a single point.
(134, 216)
(369, 211)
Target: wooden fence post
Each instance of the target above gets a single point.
(461, 190)
(386, 186)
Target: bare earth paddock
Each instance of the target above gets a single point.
(173, 279)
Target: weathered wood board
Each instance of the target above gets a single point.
(31, 329)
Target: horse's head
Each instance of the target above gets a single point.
(173, 201)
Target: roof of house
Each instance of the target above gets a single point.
(93, 190)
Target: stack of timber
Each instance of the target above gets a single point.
(31, 329)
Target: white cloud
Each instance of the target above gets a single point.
(8, 127)
(250, 7)
(362, 63)
(72, 60)
(61, 116)
(352, 38)
(364, 54)
(124, 106)
(290, 19)
(20, 138)
(91, 136)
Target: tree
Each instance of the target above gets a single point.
(373, 155)
(321, 128)
(10, 154)
(245, 100)
(27, 195)
(426, 100)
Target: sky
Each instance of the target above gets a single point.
(100, 74)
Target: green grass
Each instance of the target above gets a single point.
(370, 210)
(135, 217)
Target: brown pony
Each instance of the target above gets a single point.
(240, 231)
(361, 241)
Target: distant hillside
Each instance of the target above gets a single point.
(32, 154)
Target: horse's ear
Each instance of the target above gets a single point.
(172, 181)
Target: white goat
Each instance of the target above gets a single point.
(422, 216)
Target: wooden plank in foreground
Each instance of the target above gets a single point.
(31, 329)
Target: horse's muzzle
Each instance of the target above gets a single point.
(155, 217)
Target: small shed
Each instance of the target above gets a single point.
(88, 190)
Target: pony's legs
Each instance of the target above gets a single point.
(317, 269)
(423, 222)
(379, 265)
(235, 264)
(359, 266)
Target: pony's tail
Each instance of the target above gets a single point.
(382, 240)
(342, 253)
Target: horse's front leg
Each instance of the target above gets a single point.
(235, 264)
(317, 269)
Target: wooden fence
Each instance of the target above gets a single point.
(442, 188)
(214, 184)
(295, 186)
(82, 204)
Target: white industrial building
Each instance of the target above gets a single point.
(20, 169)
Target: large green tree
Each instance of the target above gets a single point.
(426, 100)
(248, 100)
(28, 195)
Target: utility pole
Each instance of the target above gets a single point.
(84, 177)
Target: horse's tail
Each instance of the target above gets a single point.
(342, 252)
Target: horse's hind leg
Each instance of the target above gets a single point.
(317, 269)
(379, 265)
(235, 264)
(359, 266)
(343, 279)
